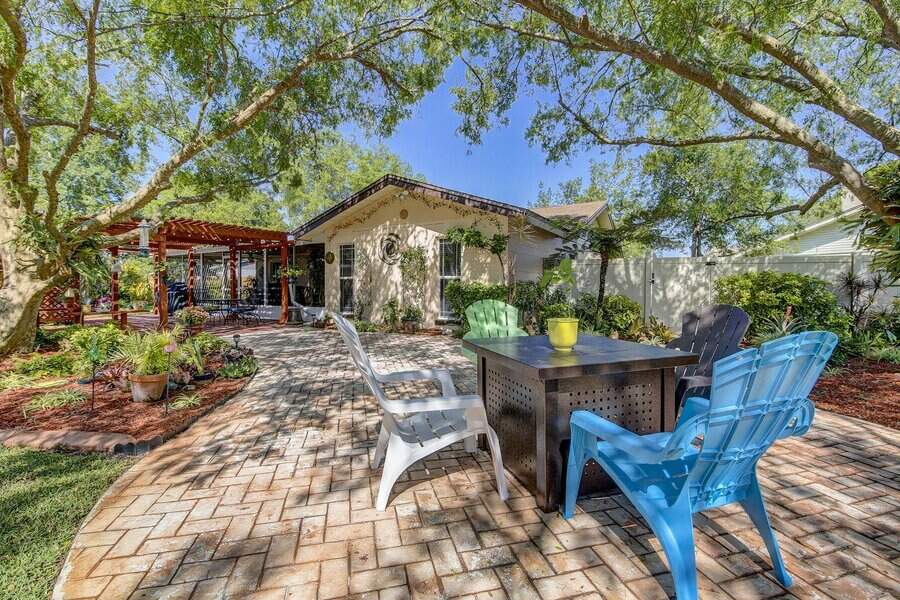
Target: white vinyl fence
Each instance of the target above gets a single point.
(668, 287)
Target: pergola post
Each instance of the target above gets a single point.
(114, 286)
(190, 281)
(284, 283)
(161, 278)
(232, 272)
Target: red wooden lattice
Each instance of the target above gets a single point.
(56, 308)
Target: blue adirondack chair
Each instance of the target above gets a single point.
(757, 396)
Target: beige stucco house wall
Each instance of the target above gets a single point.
(420, 215)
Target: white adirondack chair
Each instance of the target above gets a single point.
(415, 428)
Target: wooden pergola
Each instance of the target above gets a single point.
(185, 234)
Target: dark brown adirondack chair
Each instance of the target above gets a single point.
(713, 332)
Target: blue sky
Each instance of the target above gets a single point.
(504, 167)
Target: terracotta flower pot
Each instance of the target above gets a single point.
(148, 387)
(409, 325)
(193, 330)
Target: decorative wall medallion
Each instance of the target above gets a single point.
(329, 257)
(404, 213)
(390, 249)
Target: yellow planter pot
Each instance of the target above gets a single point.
(563, 333)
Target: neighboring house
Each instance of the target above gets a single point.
(833, 235)
(352, 249)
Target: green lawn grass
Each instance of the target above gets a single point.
(44, 496)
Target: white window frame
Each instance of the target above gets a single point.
(447, 315)
(342, 278)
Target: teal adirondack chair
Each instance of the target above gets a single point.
(491, 319)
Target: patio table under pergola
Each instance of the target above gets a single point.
(186, 234)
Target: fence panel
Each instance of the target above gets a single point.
(667, 287)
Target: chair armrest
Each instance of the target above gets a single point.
(693, 407)
(441, 376)
(416, 405)
(697, 381)
(624, 440)
(800, 423)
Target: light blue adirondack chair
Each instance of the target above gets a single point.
(491, 319)
(757, 396)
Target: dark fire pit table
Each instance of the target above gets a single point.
(530, 389)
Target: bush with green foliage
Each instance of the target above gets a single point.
(461, 294)
(554, 311)
(209, 343)
(93, 347)
(46, 365)
(365, 327)
(186, 401)
(390, 315)
(766, 296)
(243, 367)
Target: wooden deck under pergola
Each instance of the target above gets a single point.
(185, 234)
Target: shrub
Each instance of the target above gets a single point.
(653, 332)
(460, 295)
(46, 365)
(243, 367)
(365, 327)
(390, 315)
(94, 347)
(209, 343)
(766, 295)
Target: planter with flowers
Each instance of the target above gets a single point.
(192, 319)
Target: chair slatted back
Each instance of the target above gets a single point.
(361, 360)
(754, 395)
(713, 332)
(491, 318)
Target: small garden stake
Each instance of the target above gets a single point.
(170, 348)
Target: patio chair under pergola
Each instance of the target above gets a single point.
(185, 234)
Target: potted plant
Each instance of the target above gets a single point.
(410, 318)
(562, 326)
(147, 361)
(192, 319)
(293, 272)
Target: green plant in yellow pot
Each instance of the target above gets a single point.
(562, 326)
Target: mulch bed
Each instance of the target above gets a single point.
(865, 390)
(114, 412)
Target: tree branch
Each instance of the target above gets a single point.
(833, 98)
(8, 74)
(800, 207)
(32, 122)
(890, 21)
(84, 123)
(666, 142)
(821, 156)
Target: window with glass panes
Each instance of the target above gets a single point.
(449, 270)
(348, 258)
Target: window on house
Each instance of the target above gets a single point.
(449, 270)
(348, 258)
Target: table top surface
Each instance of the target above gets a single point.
(591, 355)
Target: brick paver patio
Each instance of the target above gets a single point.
(271, 497)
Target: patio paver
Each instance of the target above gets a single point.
(272, 496)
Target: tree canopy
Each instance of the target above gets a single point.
(333, 169)
(107, 104)
(816, 77)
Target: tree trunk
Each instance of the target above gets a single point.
(601, 288)
(19, 305)
(696, 244)
(21, 292)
